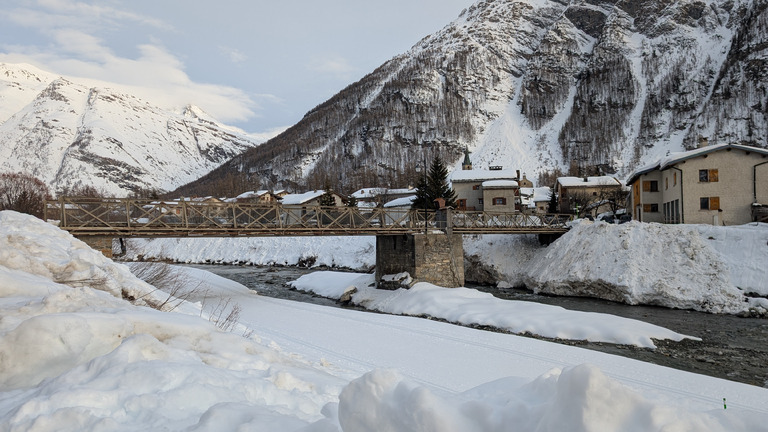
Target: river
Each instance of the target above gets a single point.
(731, 348)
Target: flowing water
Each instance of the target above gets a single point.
(732, 348)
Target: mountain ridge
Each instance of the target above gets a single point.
(540, 86)
(71, 134)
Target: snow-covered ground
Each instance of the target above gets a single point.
(76, 355)
(699, 267)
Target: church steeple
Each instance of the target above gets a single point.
(467, 164)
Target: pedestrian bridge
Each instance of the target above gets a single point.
(123, 217)
(425, 244)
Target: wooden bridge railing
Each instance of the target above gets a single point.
(122, 217)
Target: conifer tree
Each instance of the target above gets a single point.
(434, 186)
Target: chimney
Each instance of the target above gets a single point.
(518, 174)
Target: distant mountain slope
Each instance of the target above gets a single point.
(536, 85)
(68, 133)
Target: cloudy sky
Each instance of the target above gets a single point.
(256, 64)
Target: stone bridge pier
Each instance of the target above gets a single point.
(434, 257)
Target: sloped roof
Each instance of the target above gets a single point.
(499, 184)
(590, 181)
(677, 157)
(481, 175)
(401, 202)
(302, 198)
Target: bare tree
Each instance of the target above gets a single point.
(23, 193)
(614, 197)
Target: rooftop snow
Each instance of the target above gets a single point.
(590, 182)
(482, 175)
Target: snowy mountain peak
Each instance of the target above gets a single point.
(69, 133)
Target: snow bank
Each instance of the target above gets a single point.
(355, 252)
(637, 263)
(41, 249)
(75, 356)
(581, 398)
(471, 307)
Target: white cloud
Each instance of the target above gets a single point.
(74, 49)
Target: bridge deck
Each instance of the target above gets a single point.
(121, 217)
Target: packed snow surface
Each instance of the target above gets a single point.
(75, 355)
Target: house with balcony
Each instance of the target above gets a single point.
(725, 184)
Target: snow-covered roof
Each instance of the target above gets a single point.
(531, 196)
(302, 198)
(590, 181)
(499, 184)
(677, 157)
(378, 191)
(401, 202)
(482, 175)
(252, 194)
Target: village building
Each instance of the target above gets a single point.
(378, 196)
(257, 197)
(494, 189)
(535, 200)
(724, 184)
(588, 195)
(311, 198)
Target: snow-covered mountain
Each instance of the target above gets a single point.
(70, 133)
(538, 85)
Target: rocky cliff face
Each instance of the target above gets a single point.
(537, 85)
(70, 134)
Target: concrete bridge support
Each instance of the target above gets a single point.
(437, 258)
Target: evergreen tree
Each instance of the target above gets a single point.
(553, 204)
(327, 199)
(433, 187)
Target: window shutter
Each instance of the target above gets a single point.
(714, 203)
(713, 175)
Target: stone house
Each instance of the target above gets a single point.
(724, 184)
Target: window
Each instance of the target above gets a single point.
(650, 208)
(461, 204)
(674, 179)
(480, 201)
(499, 201)
(650, 186)
(708, 176)
(709, 203)
(476, 187)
